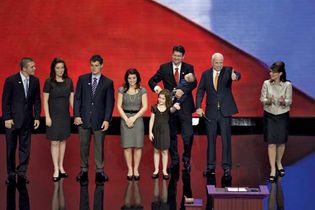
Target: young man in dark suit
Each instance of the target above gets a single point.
(220, 106)
(170, 74)
(93, 108)
(20, 104)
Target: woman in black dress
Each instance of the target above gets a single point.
(58, 94)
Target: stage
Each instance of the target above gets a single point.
(250, 169)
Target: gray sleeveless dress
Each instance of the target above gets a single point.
(132, 137)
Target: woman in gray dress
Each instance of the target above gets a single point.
(132, 102)
(58, 95)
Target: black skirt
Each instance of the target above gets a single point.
(276, 128)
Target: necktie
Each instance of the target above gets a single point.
(216, 78)
(176, 75)
(26, 86)
(94, 85)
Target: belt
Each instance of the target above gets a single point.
(131, 111)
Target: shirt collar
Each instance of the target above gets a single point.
(23, 77)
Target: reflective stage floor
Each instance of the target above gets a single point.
(294, 191)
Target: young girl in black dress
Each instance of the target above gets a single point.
(159, 131)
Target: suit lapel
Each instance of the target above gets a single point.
(221, 77)
(20, 84)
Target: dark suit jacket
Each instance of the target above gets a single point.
(165, 74)
(14, 104)
(223, 94)
(94, 109)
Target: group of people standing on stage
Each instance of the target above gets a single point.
(93, 103)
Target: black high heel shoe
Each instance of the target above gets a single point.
(272, 179)
(130, 178)
(136, 177)
(63, 175)
(166, 177)
(281, 172)
(155, 176)
(56, 179)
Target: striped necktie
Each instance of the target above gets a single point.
(94, 85)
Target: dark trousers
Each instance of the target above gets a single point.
(224, 123)
(13, 136)
(185, 121)
(85, 140)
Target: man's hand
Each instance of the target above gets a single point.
(78, 121)
(179, 93)
(36, 124)
(8, 123)
(105, 125)
(157, 89)
(233, 76)
(200, 112)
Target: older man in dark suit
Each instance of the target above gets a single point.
(220, 106)
(93, 108)
(20, 103)
(170, 74)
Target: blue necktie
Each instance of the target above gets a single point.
(94, 85)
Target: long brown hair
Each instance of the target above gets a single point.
(168, 97)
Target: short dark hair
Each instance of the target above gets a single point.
(134, 72)
(24, 61)
(279, 67)
(52, 75)
(95, 58)
(179, 48)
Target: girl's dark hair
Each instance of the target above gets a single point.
(52, 75)
(279, 67)
(168, 97)
(135, 72)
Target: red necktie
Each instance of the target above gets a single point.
(176, 75)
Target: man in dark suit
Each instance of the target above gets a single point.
(20, 103)
(170, 74)
(93, 108)
(220, 106)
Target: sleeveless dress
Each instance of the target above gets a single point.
(132, 137)
(58, 102)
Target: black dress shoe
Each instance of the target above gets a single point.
(63, 175)
(100, 178)
(187, 166)
(174, 168)
(227, 172)
(136, 178)
(22, 179)
(10, 179)
(83, 178)
(155, 176)
(209, 172)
